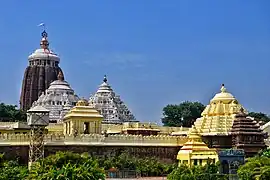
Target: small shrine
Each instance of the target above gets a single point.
(247, 134)
(82, 119)
(195, 151)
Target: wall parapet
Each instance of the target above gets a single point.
(96, 139)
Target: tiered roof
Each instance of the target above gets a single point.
(110, 105)
(217, 118)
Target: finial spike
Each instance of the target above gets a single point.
(105, 79)
(223, 89)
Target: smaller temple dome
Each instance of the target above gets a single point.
(110, 105)
(57, 98)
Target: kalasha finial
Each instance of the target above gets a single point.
(60, 76)
(223, 89)
(44, 43)
(105, 79)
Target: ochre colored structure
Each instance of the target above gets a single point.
(195, 151)
(43, 69)
(247, 135)
(217, 119)
(82, 119)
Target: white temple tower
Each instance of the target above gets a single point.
(110, 105)
(59, 98)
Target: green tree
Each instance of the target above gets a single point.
(207, 172)
(11, 113)
(183, 114)
(67, 165)
(260, 116)
(12, 170)
(255, 168)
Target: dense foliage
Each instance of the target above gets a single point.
(11, 113)
(144, 166)
(12, 170)
(69, 165)
(207, 172)
(260, 116)
(61, 166)
(183, 114)
(257, 167)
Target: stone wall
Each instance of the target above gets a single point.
(163, 147)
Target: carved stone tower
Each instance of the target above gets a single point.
(43, 69)
(247, 135)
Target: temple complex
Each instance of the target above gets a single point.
(110, 105)
(82, 119)
(217, 119)
(43, 68)
(247, 135)
(195, 151)
(59, 98)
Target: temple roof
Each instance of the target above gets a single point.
(83, 110)
(217, 117)
(110, 105)
(195, 146)
(58, 97)
(244, 125)
(44, 52)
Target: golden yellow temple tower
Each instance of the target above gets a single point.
(82, 119)
(195, 151)
(217, 119)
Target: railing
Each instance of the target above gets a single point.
(96, 139)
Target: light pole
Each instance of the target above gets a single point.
(37, 119)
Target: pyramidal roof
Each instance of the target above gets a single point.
(217, 118)
(110, 105)
(195, 148)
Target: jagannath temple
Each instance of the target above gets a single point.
(104, 124)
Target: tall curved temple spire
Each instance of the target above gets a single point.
(42, 69)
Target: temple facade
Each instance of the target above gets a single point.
(59, 98)
(110, 105)
(43, 69)
(217, 119)
(247, 135)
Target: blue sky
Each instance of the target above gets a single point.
(154, 52)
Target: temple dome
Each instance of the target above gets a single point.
(218, 115)
(110, 105)
(58, 97)
(44, 52)
(223, 96)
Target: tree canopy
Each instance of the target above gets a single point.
(259, 116)
(207, 172)
(183, 114)
(67, 165)
(11, 113)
